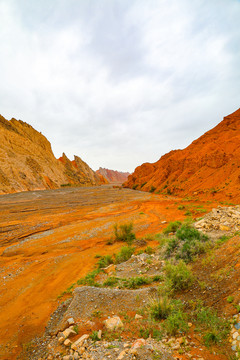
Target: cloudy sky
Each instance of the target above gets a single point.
(119, 82)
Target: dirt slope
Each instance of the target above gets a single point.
(209, 167)
(27, 161)
(113, 176)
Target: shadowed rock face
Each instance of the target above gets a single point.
(208, 167)
(113, 176)
(27, 161)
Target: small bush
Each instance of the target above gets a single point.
(104, 261)
(176, 322)
(216, 327)
(152, 189)
(136, 282)
(135, 186)
(188, 243)
(124, 254)
(172, 245)
(143, 184)
(89, 279)
(230, 299)
(111, 281)
(94, 336)
(179, 276)
(160, 307)
(144, 333)
(187, 232)
(149, 250)
(181, 207)
(124, 233)
(172, 227)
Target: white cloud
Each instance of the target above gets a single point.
(119, 82)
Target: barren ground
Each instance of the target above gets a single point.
(49, 239)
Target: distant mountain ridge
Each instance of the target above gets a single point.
(113, 176)
(27, 161)
(208, 167)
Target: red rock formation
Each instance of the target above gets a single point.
(27, 161)
(113, 176)
(208, 167)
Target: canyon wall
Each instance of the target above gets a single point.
(27, 161)
(209, 167)
(113, 176)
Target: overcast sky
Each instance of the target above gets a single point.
(119, 82)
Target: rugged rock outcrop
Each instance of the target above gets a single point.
(78, 172)
(208, 167)
(113, 176)
(27, 161)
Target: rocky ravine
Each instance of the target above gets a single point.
(27, 161)
(209, 167)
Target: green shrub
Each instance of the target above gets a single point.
(104, 261)
(94, 336)
(149, 250)
(172, 227)
(188, 243)
(187, 232)
(172, 245)
(181, 207)
(216, 328)
(144, 333)
(179, 276)
(135, 186)
(124, 233)
(152, 189)
(143, 184)
(230, 299)
(160, 307)
(124, 254)
(89, 279)
(135, 282)
(111, 281)
(176, 322)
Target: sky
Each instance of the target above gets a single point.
(119, 82)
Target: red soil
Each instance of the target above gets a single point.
(209, 167)
(49, 240)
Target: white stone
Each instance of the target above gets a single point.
(70, 321)
(68, 332)
(81, 340)
(113, 323)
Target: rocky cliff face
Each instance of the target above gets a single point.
(113, 176)
(27, 161)
(209, 167)
(78, 172)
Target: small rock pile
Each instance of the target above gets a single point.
(235, 335)
(62, 348)
(223, 219)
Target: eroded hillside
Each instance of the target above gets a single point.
(209, 167)
(113, 176)
(27, 161)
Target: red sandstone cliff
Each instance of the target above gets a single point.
(113, 176)
(27, 161)
(210, 166)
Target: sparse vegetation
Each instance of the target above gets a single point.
(152, 189)
(188, 243)
(124, 232)
(172, 227)
(160, 307)
(124, 254)
(179, 276)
